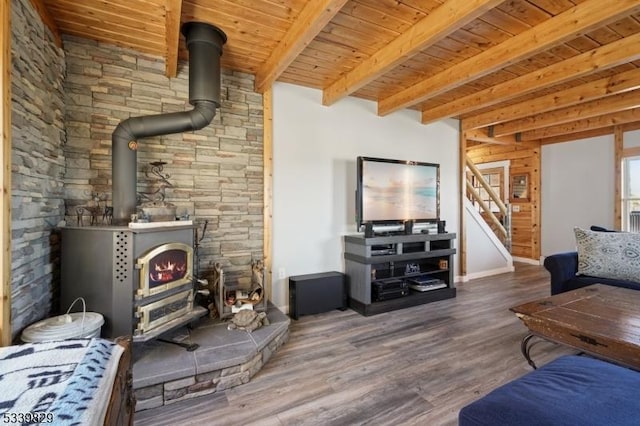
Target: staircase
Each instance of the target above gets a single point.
(497, 223)
(488, 229)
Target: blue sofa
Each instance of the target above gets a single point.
(563, 268)
(571, 390)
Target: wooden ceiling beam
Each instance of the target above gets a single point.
(48, 21)
(577, 136)
(605, 120)
(570, 137)
(577, 20)
(172, 15)
(634, 151)
(441, 22)
(601, 58)
(481, 135)
(621, 102)
(608, 86)
(311, 20)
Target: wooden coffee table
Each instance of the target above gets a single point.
(600, 320)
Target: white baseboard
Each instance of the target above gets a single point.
(528, 261)
(488, 273)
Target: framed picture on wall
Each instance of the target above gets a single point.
(520, 188)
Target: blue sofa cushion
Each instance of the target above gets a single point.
(571, 390)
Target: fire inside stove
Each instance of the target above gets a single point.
(168, 266)
(165, 267)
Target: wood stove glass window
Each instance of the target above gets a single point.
(165, 267)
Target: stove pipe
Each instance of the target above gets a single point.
(204, 42)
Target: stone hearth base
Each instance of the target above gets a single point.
(164, 373)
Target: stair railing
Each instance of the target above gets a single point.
(475, 197)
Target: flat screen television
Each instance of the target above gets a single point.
(392, 192)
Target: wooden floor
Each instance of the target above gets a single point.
(416, 366)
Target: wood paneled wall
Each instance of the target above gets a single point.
(524, 158)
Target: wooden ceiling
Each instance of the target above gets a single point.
(516, 70)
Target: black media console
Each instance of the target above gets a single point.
(385, 273)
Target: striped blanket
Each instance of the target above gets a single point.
(63, 383)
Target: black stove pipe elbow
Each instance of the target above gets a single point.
(204, 42)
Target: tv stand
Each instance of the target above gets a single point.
(387, 233)
(407, 259)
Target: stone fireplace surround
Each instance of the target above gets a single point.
(164, 373)
(65, 106)
(66, 103)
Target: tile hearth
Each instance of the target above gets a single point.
(164, 373)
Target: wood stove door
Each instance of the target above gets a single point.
(163, 268)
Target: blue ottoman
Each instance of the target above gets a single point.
(571, 390)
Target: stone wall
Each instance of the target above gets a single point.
(216, 172)
(38, 137)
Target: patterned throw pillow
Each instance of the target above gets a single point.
(613, 255)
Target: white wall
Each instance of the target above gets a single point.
(577, 189)
(632, 139)
(485, 253)
(314, 173)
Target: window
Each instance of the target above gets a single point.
(495, 178)
(631, 194)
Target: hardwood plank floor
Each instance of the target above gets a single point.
(414, 366)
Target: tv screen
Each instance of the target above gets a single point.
(395, 191)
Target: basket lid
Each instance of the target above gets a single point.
(69, 326)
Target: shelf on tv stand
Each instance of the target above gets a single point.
(412, 275)
(425, 250)
(414, 298)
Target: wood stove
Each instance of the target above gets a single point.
(140, 280)
(140, 275)
(163, 268)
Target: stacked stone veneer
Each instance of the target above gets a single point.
(37, 165)
(216, 172)
(65, 105)
(207, 383)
